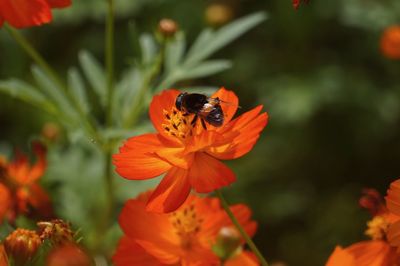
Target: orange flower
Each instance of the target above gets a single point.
(188, 154)
(20, 190)
(187, 236)
(28, 13)
(383, 229)
(390, 42)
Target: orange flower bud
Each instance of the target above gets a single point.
(390, 42)
(218, 14)
(21, 245)
(57, 231)
(167, 27)
(51, 131)
(66, 255)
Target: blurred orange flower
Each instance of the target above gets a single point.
(189, 155)
(69, 254)
(20, 191)
(188, 236)
(390, 42)
(383, 229)
(28, 13)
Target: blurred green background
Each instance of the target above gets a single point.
(333, 101)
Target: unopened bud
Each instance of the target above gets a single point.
(228, 242)
(218, 14)
(167, 27)
(57, 231)
(21, 245)
(51, 131)
(67, 255)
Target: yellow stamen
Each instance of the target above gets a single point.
(186, 224)
(377, 228)
(176, 124)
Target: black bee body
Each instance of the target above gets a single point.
(208, 109)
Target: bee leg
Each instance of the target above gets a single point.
(194, 120)
(203, 123)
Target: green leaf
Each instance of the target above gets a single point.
(126, 91)
(77, 88)
(95, 74)
(174, 52)
(53, 91)
(25, 92)
(209, 42)
(205, 69)
(148, 47)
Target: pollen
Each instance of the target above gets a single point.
(177, 124)
(186, 224)
(377, 228)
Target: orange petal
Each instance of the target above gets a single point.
(152, 231)
(40, 201)
(137, 158)
(39, 167)
(372, 253)
(229, 103)
(245, 258)
(22, 13)
(393, 234)
(171, 193)
(243, 215)
(341, 257)
(129, 253)
(393, 197)
(242, 133)
(208, 174)
(163, 101)
(59, 3)
(176, 156)
(5, 201)
(3, 256)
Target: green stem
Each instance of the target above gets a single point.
(36, 57)
(246, 237)
(23, 42)
(109, 57)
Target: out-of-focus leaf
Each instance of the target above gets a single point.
(95, 74)
(27, 93)
(174, 51)
(205, 69)
(53, 91)
(126, 91)
(77, 88)
(148, 47)
(210, 42)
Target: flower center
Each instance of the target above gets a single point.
(186, 224)
(377, 228)
(177, 124)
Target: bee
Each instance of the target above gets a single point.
(206, 108)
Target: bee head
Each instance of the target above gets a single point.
(179, 100)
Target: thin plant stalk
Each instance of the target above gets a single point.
(109, 58)
(246, 237)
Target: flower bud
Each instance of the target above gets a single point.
(51, 131)
(57, 231)
(228, 242)
(21, 245)
(167, 27)
(67, 255)
(218, 14)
